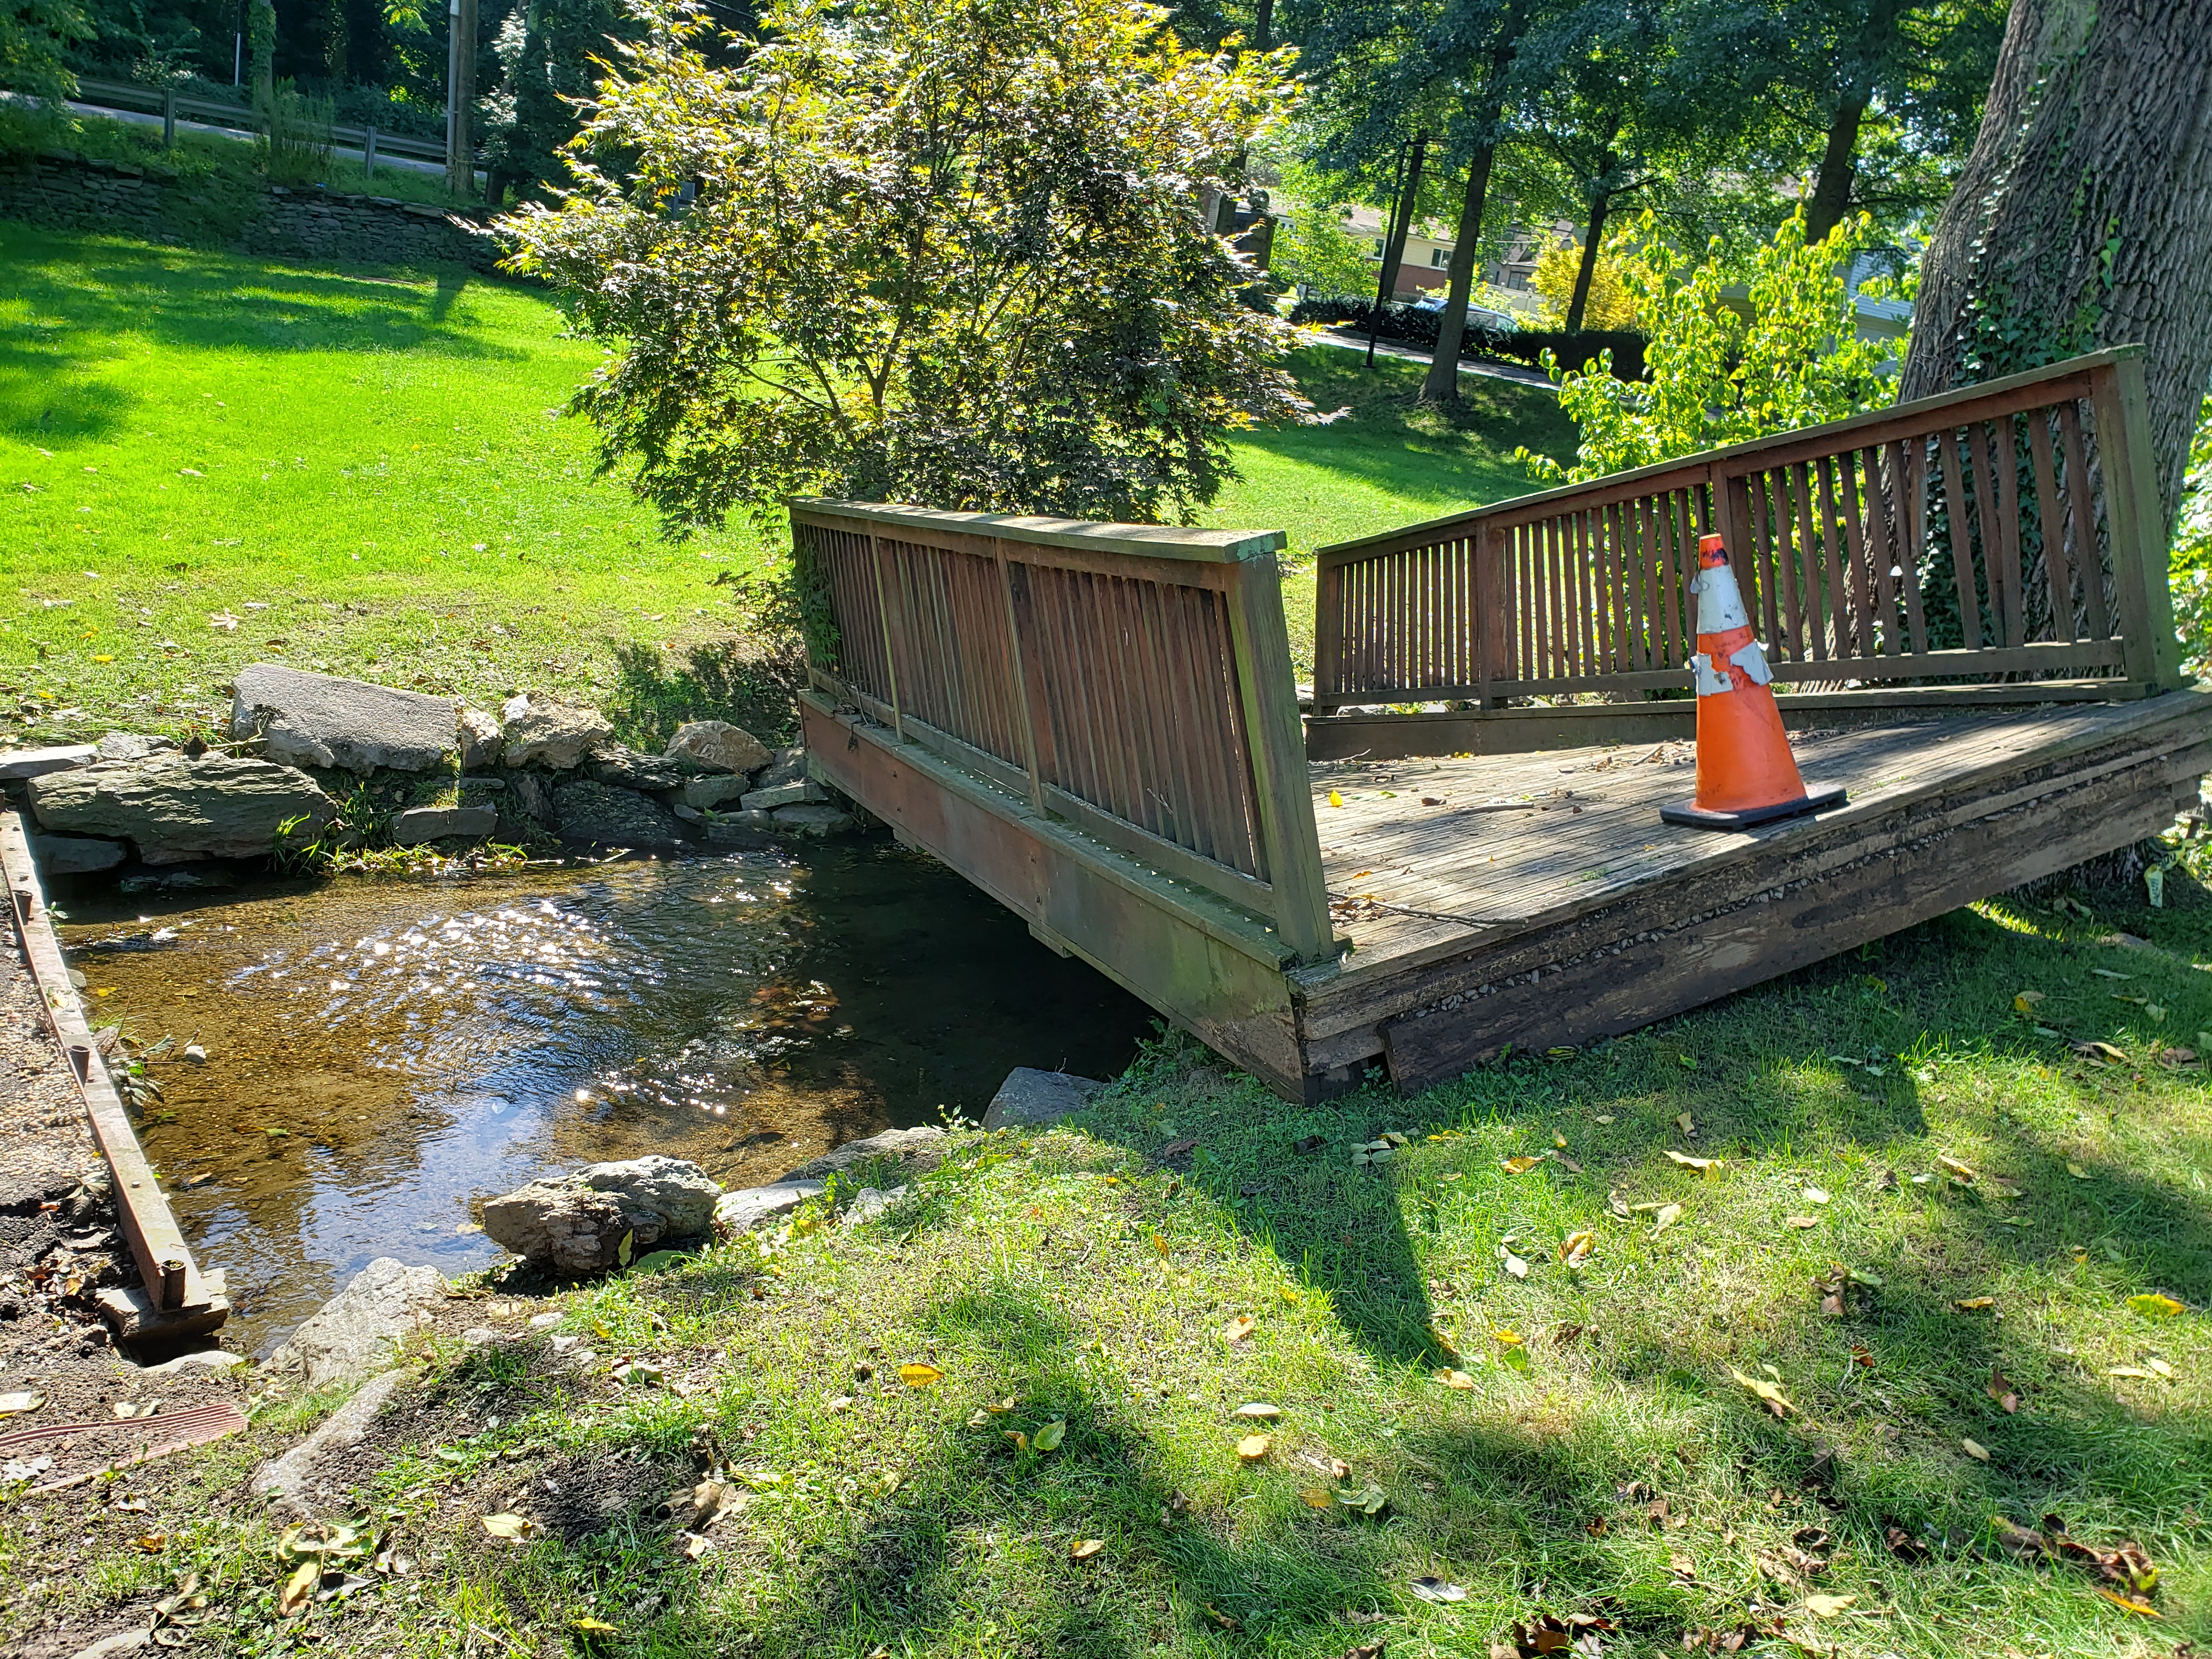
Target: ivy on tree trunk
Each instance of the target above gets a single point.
(2084, 216)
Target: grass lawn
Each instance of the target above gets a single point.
(1672, 1435)
(363, 470)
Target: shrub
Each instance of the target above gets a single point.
(1407, 326)
(295, 136)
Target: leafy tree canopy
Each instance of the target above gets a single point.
(947, 254)
(34, 34)
(1721, 368)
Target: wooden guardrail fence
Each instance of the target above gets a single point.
(171, 105)
(2008, 529)
(1132, 680)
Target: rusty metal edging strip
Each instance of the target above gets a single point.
(174, 1285)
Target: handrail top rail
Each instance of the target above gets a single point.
(1390, 541)
(1150, 540)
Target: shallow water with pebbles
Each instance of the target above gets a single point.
(382, 1054)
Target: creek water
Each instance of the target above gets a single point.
(380, 1054)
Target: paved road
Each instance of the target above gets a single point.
(1387, 348)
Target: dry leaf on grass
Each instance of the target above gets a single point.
(1261, 1410)
(1976, 1449)
(1452, 1379)
(1667, 1216)
(1253, 1447)
(514, 1527)
(1828, 1607)
(1084, 1548)
(1704, 1166)
(1576, 1247)
(1519, 1164)
(1974, 1303)
(1770, 1393)
(2158, 1307)
(2131, 1604)
(1999, 1388)
(918, 1374)
(1513, 1264)
(1686, 1124)
(1430, 1588)
(1238, 1328)
(1800, 1222)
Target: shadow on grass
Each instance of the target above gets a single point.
(73, 299)
(735, 680)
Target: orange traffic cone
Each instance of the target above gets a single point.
(1746, 773)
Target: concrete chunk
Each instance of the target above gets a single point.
(18, 764)
(315, 720)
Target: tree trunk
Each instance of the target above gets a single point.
(1599, 204)
(1839, 172)
(1401, 220)
(2084, 216)
(1442, 383)
(1263, 26)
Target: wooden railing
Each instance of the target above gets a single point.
(2010, 530)
(1132, 680)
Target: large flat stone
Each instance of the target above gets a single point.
(420, 824)
(19, 763)
(747, 1207)
(924, 1144)
(577, 1223)
(315, 720)
(800, 794)
(174, 808)
(352, 1334)
(1030, 1099)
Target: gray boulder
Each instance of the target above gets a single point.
(538, 732)
(174, 808)
(708, 792)
(76, 855)
(632, 771)
(1030, 1099)
(923, 1145)
(747, 1207)
(314, 719)
(615, 818)
(131, 745)
(802, 792)
(789, 766)
(813, 820)
(577, 1223)
(739, 830)
(420, 824)
(717, 746)
(19, 763)
(481, 739)
(352, 1334)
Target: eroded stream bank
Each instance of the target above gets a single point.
(380, 1054)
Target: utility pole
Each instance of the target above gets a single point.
(460, 96)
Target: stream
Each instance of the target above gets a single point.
(380, 1054)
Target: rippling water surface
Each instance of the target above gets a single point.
(380, 1054)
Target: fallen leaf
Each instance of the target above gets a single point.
(1261, 1410)
(150, 1543)
(1253, 1447)
(1999, 1388)
(2024, 1002)
(2101, 1052)
(1177, 1148)
(1902, 1544)
(1974, 1303)
(2159, 1366)
(2130, 1604)
(2158, 1307)
(1519, 1164)
(1686, 1124)
(1217, 1616)
(1515, 1265)
(1957, 1172)
(695, 1544)
(294, 1595)
(1084, 1548)
(1800, 1222)
(1704, 1166)
(623, 1250)
(1238, 1328)
(1431, 1588)
(506, 1526)
(2018, 1540)
(1828, 1607)
(1368, 1500)
(1455, 1379)
(1683, 1565)
(1667, 1216)
(1048, 1438)
(1976, 1450)
(918, 1374)
(1815, 1195)
(588, 1626)
(1335, 800)
(16, 1405)
(1576, 1247)
(1512, 1352)
(1769, 1393)
(1315, 1498)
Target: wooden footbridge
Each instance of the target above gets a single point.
(1964, 599)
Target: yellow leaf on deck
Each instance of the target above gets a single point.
(1335, 800)
(918, 1374)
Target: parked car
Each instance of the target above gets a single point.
(1497, 322)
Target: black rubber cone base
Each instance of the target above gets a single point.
(1816, 797)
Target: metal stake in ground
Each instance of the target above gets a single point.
(1746, 773)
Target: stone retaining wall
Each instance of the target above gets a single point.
(68, 191)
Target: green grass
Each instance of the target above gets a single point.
(374, 458)
(1075, 1277)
